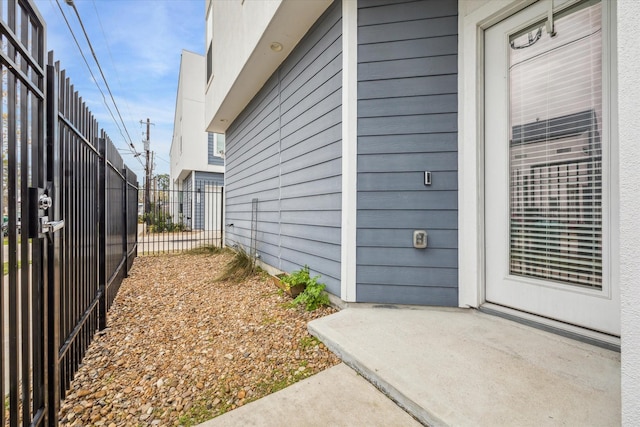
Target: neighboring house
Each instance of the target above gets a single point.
(197, 156)
(509, 137)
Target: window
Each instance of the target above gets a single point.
(556, 149)
(209, 41)
(210, 61)
(219, 145)
(215, 143)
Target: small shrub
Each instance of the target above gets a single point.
(313, 295)
(240, 267)
(160, 221)
(297, 278)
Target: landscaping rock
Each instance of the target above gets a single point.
(164, 358)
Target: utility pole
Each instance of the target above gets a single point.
(147, 169)
(152, 178)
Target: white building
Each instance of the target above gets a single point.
(197, 162)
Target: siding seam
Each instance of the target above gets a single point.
(279, 170)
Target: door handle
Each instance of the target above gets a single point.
(49, 227)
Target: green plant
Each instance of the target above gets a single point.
(6, 267)
(280, 379)
(158, 220)
(309, 342)
(205, 250)
(240, 267)
(201, 411)
(313, 295)
(297, 278)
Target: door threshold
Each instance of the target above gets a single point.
(588, 336)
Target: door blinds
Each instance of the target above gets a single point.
(555, 149)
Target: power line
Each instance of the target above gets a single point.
(131, 147)
(113, 64)
(95, 57)
(104, 98)
(163, 159)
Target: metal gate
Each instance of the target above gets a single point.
(69, 223)
(24, 295)
(182, 220)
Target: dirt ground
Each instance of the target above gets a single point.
(181, 347)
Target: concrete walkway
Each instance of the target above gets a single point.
(335, 397)
(445, 367)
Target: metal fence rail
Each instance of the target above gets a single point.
(70, 205)
(180, 220)
(119, 216)
(95, 248)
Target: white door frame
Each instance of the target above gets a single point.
(474, 17)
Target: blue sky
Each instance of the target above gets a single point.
(138, 44)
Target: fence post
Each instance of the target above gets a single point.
(221, 217)
(53, 270)
(136, 214)
(102, 228)
(125, 189)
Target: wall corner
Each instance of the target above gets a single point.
(349, 149)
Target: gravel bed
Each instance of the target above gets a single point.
(181, 348)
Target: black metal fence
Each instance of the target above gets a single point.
(69, 208)
(180, 220)
(22, 308)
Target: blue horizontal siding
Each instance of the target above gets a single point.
(410, 86)
(430, 143)
(406, 181)
(408, 276)
(407, 68)
(375, 12)
(407, 124)
(398, 238)
(418, 295)
(403, 218)
(212, 158)
(285, 150)
(409, 30)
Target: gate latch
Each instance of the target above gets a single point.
(50, 227)
(40, 226)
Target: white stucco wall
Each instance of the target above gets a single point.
(243, 32)
(629, 140)
(237, 29)
(189, 121)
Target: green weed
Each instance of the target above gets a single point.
(313, 295)
(309, 342)
(205, 250)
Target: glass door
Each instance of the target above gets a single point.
(546, 156)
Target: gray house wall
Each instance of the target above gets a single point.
(212, 159)
(202, 179)
(407, 124)
(192, 209)
(187, 207)
(285, 150)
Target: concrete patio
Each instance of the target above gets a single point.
(450, 367)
